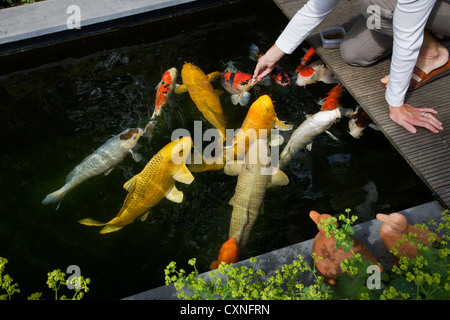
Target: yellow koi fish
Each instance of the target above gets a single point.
(152, 184)
(260, 119)
(201, 91)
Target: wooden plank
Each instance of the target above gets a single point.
(427, 153)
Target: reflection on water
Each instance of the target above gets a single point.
(55, 115)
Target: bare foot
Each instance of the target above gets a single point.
(432, 56)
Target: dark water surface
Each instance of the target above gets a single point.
(55, 115)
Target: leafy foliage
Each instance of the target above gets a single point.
(55, 280)
(426, 276)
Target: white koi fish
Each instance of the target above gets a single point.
(103, 160)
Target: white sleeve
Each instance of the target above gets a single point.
(410, 18)
(303, 23)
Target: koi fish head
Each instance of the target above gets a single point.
(262, 111)
(229, 253)
(130, 137)
(305, 76)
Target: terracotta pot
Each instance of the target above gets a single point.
(394, 226)
(325, 247)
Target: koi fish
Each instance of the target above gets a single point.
(315, 72)
(203, 94)
(229, 253)
(359, 120)
(277, 74)
(333, 99)
(154, 183)
(103, 160)
(306, 132)
(239, 84)
(311, 53)
(163, 93)
(255, 175)
(261, 118)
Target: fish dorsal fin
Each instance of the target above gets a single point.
(129, 185)
(233, 168)
(183, 175)
(282, 126)
(278, 178)
(175, 195)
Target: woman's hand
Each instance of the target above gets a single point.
(267, 62)
(409, 117)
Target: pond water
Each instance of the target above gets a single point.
(55, 115)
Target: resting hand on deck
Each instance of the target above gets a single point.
(409, 117)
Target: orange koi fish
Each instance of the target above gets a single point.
(333, 99)
(229, 253)
(163, 92)
(277, 74)
(306, 59)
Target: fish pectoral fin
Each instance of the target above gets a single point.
(231, 202)
(175, 195)
(276, 140)
(332, 136)
(282, 126)
(136, 156)
(278, 178)
(233, 168)
(309, 146)
(218, 92)
(109, 170)
(91, 222)
(183, 175)
(180, 88)
(235, 98)
(144, 217)
(129, 185)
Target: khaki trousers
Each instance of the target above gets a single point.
(363, 46)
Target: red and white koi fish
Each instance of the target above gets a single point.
(315, 72)
(333, 99)
(163, 92)
(359, 120)
(239, 84)
(311, 53)
(278, 75)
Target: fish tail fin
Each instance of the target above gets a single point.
(254, 52)
(91, 222)
(56, 196)
(244, 98)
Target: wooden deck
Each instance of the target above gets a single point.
(427, 153)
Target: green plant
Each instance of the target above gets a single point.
(426, 276)
(56, 278)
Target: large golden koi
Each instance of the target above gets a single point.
(152, 184)
(201, 91)
(255, 175)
